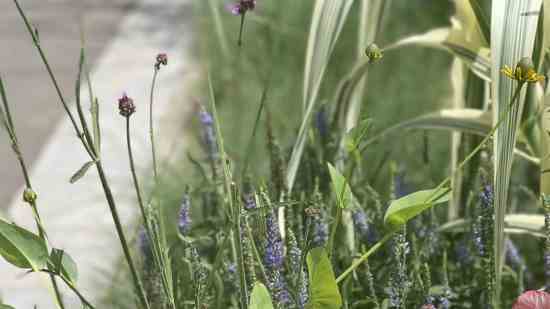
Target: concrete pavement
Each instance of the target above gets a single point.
(76, 216)
(32, 97)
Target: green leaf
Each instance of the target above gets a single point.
(3, 306)
(340, 187)
(22, 248)
(324, 293)
(81, 172)
(95, 125)
(260, 298)
(408, 207)
(355, 136)
(62, 264)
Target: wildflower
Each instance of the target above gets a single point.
(29, 196)
(209, 135)
(294, 252)
(513, 257)
(144, 245)
(321, 122)
(303, 294)
(361, 224)
(373, 52)
(280, 291)
(162, 58)
(320, 231)
(243, 6)
(273, 258)
(399, 283)
(184, 220)
(524, 71)
(462, 253)
(532, 300)
(126, 106)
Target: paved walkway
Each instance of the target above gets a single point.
(76, 216)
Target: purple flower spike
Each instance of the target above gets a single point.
(273, 258)
(184, 220)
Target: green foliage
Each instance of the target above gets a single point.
(340, 187)
(62, 264)
(324, 293)
(402, 210)
(22, 248)
(81, 171)
(260, 298)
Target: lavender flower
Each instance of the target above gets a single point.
(361, 224)
(320, 230)
(399, 284)
(303, 293)
(249, 201)
(513, 258)
(279, 289)
(321, 122)
(273, 258)
(243, 6)
(184, 219)
(294, 253)
(209, 134)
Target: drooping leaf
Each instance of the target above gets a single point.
(340, 187)
(260, 298)
(95, 125)
(62, 264)
(81, 172)
(22, 248)
(324, 293)
(356, 135)
(409, 206)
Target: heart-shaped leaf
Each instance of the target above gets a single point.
(340, 187)
(22, 248)
(324, 293)
(81, 172)
(260, 298)
(62, 264)
(409, 206)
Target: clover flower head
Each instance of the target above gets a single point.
(532, 300)
(243, 6)
(523, 72)
(126, 106)
(162, 58)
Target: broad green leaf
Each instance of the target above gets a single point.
(512, 38)
(81, 172)
(2, 306)
(340, 187)
(323, 290)
(62, 264)
(409, 206)
(326, 25)
(260, 298)
(22, 248)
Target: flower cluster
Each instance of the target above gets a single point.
(184, 219)
(162, 58)
(126, 106)
(243, 6)
(273, 258)
(523, 72)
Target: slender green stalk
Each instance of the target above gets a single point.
(10, 127)
(73, 288)
(106, 188)
(151, 132)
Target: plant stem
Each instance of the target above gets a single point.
(151, 132)
(364, 257)
(10, 127)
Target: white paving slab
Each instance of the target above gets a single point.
(76, 216)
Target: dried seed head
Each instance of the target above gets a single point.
(162, 58)
(29, 196)
(126, 106)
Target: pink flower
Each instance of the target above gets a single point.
(533, 300)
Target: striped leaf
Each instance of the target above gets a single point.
(326, 24)
(513, 31)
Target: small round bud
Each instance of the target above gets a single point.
(29, 196)
(162, 58)
(373, 52)
(126, 106)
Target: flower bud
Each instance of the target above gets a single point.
(373, 52)
(126, 106)
(29, 196)
(162, 58)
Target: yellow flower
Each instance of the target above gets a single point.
(524, 72)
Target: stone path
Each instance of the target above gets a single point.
(76, 216)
